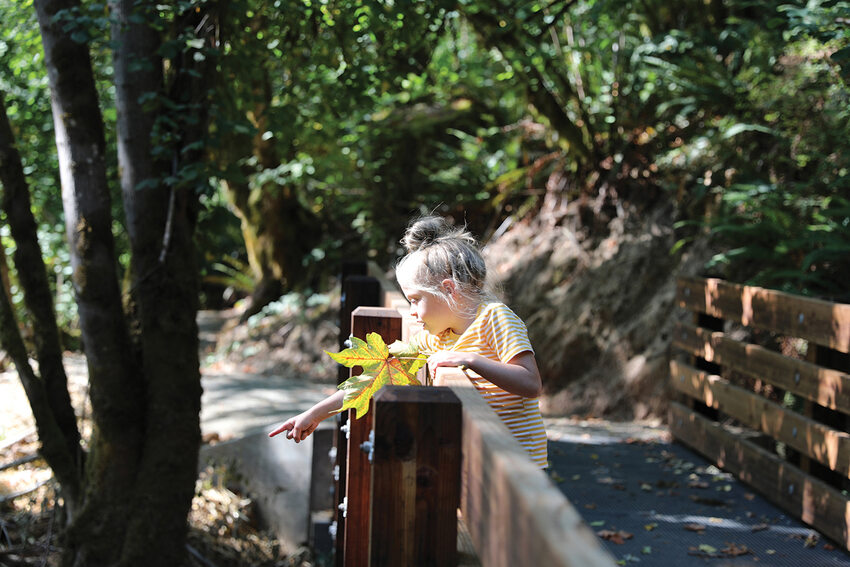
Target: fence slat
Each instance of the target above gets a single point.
(826, 445)
(387, 323)
(815, 320)
(416, 477)
(827, 387)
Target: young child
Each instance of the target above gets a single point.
(443, 277)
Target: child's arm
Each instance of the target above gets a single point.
(519, 376)
(303, 424)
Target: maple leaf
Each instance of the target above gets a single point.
(380, 368)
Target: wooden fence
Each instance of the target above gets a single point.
(426, 462)
(776, 417)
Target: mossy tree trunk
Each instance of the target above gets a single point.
(142, 348)
(278, 230)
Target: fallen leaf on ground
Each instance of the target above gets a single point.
(695, 527)
(698, 484)
(760, 527)
(704, 550)
(734, 550)
(707, 501)
(618, 536)
(650, 527)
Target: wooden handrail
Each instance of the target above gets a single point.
(514, 513)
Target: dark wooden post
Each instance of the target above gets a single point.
(357, 289)
(387, 323)
(416, 476)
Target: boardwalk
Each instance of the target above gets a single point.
(655, 502)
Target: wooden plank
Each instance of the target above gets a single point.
(514, 513)
(416, 477)
(387, 323)
(814, 502)
(826, 445)
(357, 290)
(824, 386)
(815, 320)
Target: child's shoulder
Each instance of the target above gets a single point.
(496, 308)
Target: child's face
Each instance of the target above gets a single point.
(432, 310)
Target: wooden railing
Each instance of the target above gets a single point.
(778, 421)
(439, 454)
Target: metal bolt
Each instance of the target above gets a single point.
(681, 377)
(797, 377)
(336, 473)
(346, 429)
(344, 506)
(687, 292)
(794, 432)
(800, 318)
(332, 454)
(790, 489)
(369, 446)
(332, 530)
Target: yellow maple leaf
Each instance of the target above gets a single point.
(380, 368)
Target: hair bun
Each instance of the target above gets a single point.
(424, 232)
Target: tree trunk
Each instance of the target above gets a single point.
(117, 391)
(160, 219)
(32, 275)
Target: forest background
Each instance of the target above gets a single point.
(223, 150)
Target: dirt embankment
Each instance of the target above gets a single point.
(599, 307)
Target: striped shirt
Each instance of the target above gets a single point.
(498, 334)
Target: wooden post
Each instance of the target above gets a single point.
(387, 323)
(357, 290)
(416, 476)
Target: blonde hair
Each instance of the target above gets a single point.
(437, 251)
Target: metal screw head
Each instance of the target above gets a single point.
(797, 377)
(800, 318)
(794, 432)
(790, 489)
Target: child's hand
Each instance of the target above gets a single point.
(298, 427)
(447, 358)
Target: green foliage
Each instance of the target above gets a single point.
(373, 112)
(772, 155)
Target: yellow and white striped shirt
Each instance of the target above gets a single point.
(498, 334)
